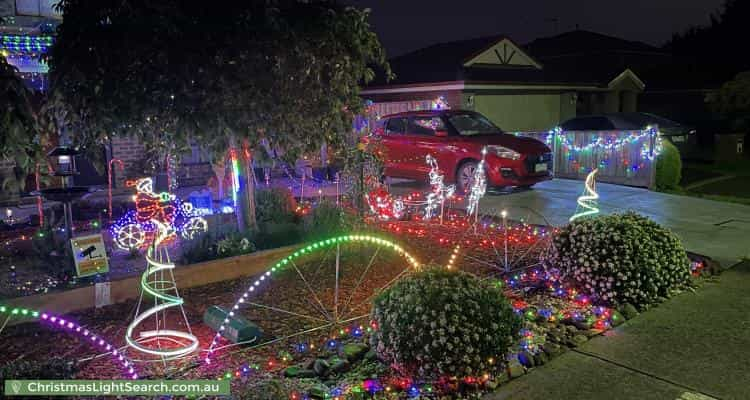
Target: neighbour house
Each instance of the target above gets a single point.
(26, 33)
(520, 88)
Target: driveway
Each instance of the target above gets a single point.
(717, 229)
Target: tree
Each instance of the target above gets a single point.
(732, 102)
(229, 76)
(20, 141)
(709, 54)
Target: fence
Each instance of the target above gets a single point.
(623, 157)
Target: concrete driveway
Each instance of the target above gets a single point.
(716, 229)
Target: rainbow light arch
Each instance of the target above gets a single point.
(313, 247)
(90, 337)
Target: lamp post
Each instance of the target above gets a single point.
(66, 169)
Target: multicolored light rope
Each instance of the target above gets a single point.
(289, 259)
(156, 264)
(587, 201)
(90, 337)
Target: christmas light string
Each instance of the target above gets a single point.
(86, 335)
(26, 44)
(650, 148)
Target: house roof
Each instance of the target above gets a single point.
(585, 42)
(573, 58)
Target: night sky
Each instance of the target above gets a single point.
(405, 25)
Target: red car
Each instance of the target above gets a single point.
(456, 139)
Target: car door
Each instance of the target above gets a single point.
(423, 132)
(395, 146)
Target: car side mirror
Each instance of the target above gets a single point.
(441, 133)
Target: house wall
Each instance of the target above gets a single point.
(398, 102)
(193, 171)
(525, 111)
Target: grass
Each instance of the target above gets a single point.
(734, 190)
(735, 187)
(692, 175)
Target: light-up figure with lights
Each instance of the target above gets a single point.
(587, 202)
(478, 188)
(137, 228)
(440, 191)
(158, 282)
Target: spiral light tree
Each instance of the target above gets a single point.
(587, 202)
(154, 337)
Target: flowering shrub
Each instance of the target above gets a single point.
(439, 323)
(621, 258)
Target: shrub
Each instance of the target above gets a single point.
(208, 247)
(668, 167)
(439, 323)
(273, 235)
(326, 220)
(621, 258)
(275, 205)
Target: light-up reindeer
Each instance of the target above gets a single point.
(440, 192)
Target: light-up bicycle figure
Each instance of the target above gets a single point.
(136, 228)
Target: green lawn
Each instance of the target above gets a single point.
(734, 190)
(736, 187)
(692, 174)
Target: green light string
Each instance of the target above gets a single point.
(311, 248)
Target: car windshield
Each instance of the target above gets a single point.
(470, 124)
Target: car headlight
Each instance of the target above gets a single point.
(504, 152)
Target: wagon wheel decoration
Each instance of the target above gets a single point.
(130, 236)
(193, 227)
(513, 240)
(319, 290)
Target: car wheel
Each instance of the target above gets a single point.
(465, 176)
(526, 187)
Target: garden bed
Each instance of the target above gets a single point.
(337, 360)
